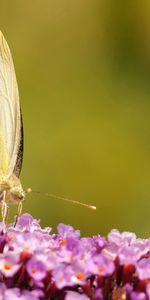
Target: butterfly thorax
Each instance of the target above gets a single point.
(12, 189)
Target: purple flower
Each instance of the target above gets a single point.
(12, 294)
(27, 242)
(68, 276)
(35, 264)
(128, 288)
(27, 223)
(36, 269)
(17, 294)
(98, 243)
(143, 268)
(62, 276)
(138, 296)
(2, 290)
(28, 295)
(87, 247)
(98, 294)
(66, 231)
(131, 254)
(65, 256)
(75, 296)
(100, 265)
(124, 238)
(9, 264)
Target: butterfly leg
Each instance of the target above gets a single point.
(19, 211)
(4, 208)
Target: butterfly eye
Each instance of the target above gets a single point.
(22, 195)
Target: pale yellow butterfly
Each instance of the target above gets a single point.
(11, 132)
(11, 136)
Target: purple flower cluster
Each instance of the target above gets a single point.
(35, 264)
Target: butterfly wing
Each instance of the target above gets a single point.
(11, 137)
(19, 160)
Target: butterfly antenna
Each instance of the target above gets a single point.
(93, 207)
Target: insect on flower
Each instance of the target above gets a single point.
(11, 133)
(11, 137)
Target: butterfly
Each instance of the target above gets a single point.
(11, 137)
(11, 133)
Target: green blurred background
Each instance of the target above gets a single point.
(83, 70)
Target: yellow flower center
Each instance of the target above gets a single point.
(100, 270)
(80, 276)
(7, 267)
(34, 270)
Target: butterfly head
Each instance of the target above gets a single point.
(13, 188)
